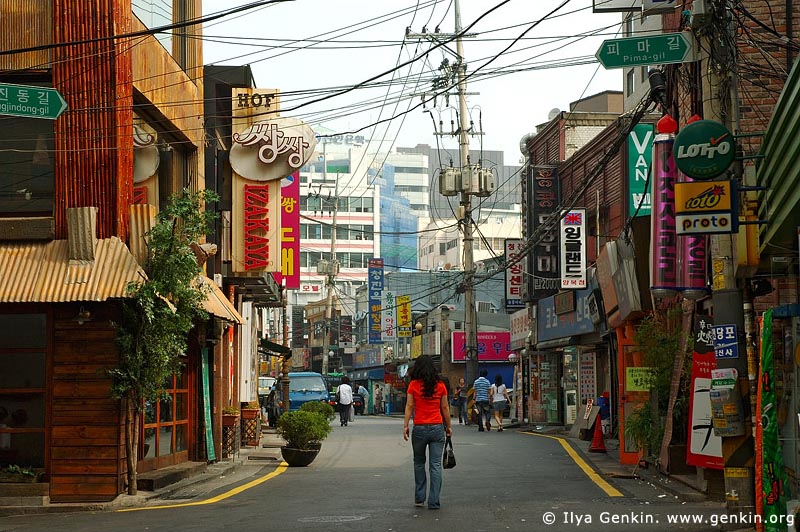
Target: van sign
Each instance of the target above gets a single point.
(704, 149)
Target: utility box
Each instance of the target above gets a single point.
(485, 182)
(449, 182)
(323, 267)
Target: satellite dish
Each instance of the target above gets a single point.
(554, 112)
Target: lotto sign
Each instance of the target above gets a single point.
(514, 277)
(726, 341)
(375, 287)
(573, 249)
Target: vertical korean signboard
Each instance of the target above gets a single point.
(262, 154)
(388, 316)
(514, 277)
(375, 280)
(573, 249)
(640, 160)
(403, 316)
(544, 199)
(290, 232)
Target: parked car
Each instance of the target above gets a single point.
(266, 385)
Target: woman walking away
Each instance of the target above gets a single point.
(427, 402)
(344, 399)
(499, 395)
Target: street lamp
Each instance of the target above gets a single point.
(418, 327)
(512, 358)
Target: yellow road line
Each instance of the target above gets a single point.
(610, 490)
(221, 497)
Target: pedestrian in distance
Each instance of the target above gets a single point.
(360, 390)
(428, 402)
(460, 401)
(482, 387)
(499, 397)
(344, 400)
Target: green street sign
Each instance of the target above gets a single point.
(30, 101)
(649, 50)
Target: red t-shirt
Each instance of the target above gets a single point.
(427, 410)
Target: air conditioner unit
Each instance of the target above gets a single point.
(484, 306)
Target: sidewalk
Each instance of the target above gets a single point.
(608, 465)
(198, 478)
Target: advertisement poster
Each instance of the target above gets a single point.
(704, 448)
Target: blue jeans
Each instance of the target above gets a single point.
(484, 414)
(430, 437)
(462, 410)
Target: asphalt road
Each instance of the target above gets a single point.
(363, 481)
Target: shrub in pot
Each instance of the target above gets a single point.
(303, 431)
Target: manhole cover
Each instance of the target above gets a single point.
(332, 519)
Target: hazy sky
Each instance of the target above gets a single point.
(311, 48)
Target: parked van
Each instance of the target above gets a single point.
(305, 386)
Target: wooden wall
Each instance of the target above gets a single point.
(87, 452)
(25, 24)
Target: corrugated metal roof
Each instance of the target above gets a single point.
(217, 304)
(35, 272)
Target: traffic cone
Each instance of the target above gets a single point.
(598, 443)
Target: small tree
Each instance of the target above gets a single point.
(160, 312)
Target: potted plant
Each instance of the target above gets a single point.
(230, 416)
(16, 474)
(251, 428)
(304, 431)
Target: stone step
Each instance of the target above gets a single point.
(160, 478)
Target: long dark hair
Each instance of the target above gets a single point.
(425, 370)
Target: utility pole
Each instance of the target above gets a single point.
(332, 270)
(738, 454)
(470, 314)
(467, 180)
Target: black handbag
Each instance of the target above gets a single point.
(448, 457)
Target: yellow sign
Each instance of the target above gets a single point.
(638, 379)
(403, 316)
(703, 196)
(416, 347)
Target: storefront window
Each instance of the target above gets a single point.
(23, 342)
(166, 422)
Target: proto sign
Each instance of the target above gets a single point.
(704, 149)
(706, 207)
(650, 50)
(30, 101)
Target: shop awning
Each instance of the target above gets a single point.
(556, 342)
(43, 272)
(216, 303)
(272, 347)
